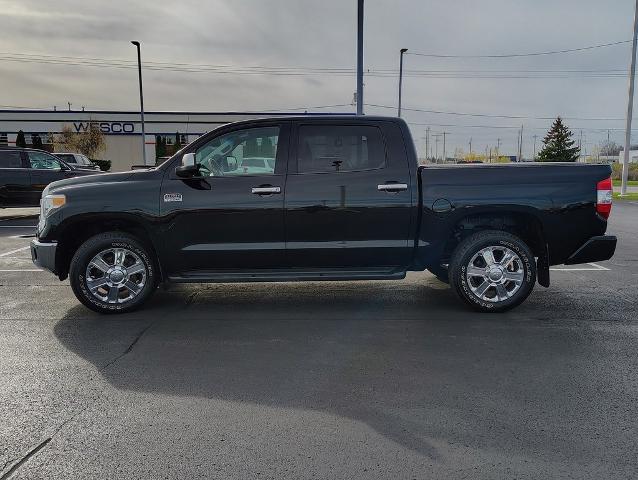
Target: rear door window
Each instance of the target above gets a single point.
(339, 148)
(10, 159)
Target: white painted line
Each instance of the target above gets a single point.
(23, 270)
(6, 254)
(599, 266)
(594, 268)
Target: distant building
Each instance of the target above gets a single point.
(633, 156)
(122, 129)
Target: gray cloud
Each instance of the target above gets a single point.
(308, 33)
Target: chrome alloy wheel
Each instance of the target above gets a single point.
(495, 274)
(115, 275)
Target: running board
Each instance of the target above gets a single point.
(286, 276)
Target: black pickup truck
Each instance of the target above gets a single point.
(321, 198)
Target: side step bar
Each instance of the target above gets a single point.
(286, 276)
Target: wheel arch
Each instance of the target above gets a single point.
(524, 223)
(78, 229)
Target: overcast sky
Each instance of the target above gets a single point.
(311, 34)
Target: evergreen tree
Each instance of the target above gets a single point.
(160, 147)
(37, 142)
(558, 145)
(178, 141)
(20, 140)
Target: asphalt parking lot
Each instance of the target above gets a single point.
(321, 380)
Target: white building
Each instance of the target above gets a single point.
(122, 129)
(633, 156)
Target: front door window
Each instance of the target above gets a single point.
(44, 161)
(244, 152)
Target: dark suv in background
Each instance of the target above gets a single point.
(25, 172)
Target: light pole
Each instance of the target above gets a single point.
(139, 73)
(402, 51)
(630, 106)
(360, 57)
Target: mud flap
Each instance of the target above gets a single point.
(542, 268)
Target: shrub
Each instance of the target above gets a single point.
(105, 165)
(617, 171)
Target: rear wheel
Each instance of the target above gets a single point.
(492, 271)
(112, 273)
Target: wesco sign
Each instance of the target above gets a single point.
(105, 127)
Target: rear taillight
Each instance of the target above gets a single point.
(604, 190)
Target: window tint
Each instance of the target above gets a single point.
(10, 159)
(41, 160)
(245, 152)
(328, 148)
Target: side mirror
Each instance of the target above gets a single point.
(188, 168)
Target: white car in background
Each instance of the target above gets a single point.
(254, 165)
(77, 160)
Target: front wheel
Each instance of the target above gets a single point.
(112, 273)
(492, 271)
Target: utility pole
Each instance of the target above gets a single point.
(69, 103)
(498, 146)
(444, 154)
(580, 145)
(436, 141)
(535, 137)
(402, 51)
(360, 57)
(427, 143)
(630, 105)
(139, 74)
(470, 145)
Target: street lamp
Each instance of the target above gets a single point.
(360, 57)
(139, 72)
(402, 51)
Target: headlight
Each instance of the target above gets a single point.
(50, 203)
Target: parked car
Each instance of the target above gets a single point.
(77, 160)
(345, 201)
(25, 172)
(254, 165)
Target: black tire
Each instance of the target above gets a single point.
(495, 298)
(106, 242)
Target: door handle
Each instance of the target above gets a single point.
(392, 187)
(265, 190)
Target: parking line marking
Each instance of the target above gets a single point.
(595, 268)
(6, 254)
(23, 270)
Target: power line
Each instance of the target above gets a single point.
(487, 115)
(306, 71)
(513, 55)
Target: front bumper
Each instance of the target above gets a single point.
(43, 255)
(596, 249)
